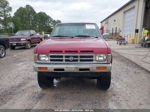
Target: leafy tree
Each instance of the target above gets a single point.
(5, 16)
(54, 22)
(42, 22)
(16, 22)
(24, 18)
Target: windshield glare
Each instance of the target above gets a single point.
(23, 33)
(76, 30)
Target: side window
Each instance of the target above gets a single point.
(30, 32)
(34, 32)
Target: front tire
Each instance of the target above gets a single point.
(104, 81)
(28, 45)
(2, 51)
(44, 80)
(12, 47)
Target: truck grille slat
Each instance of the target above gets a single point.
(86, 51)
(71, 51)
(71, 58)
(56, 51)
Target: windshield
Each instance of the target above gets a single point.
(23, 33)
(76, 30)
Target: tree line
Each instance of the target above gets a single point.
(25, 18)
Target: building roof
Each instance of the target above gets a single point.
(118, 10)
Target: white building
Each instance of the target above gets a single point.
(129, 20)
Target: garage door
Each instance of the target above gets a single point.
(128, 25)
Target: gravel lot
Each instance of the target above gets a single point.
(130, 87)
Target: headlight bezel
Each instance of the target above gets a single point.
(43, 57)
(101, 57)
(105, 58)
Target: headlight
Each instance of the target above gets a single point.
(101, 57)
(23, 39)
(43, 57)
(104, 58)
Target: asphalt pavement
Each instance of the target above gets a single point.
(130, 87)
(133, 52)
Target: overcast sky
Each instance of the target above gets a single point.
(72, 10)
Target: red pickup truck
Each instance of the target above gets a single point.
(25, 38)
(74, 50)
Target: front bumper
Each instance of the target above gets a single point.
(72, 67)
(21, 43)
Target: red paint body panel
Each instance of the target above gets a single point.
(97, 45)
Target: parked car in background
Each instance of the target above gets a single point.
(25, 38)
(106, 35)
(74, 50)
(4, 45)
(46, 36)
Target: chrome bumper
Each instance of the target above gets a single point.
(18, 43)
(72, 67)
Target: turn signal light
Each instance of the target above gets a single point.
(42, 68)
(101, 68)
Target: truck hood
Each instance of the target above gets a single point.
(97, 45)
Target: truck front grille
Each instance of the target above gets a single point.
(15, 39)
(56, 58)
(71, 58)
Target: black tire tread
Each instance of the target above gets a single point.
(27, 46)
(4, 51)
(44, 80)
(12, 47)
(104, 81)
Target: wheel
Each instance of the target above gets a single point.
(44, 80)
(104, 81)
(124, 43)
(2, 51)
(58, 78)
(28, 45)
(12, 47)
(41, 40)
(146, 45)
(119, 43)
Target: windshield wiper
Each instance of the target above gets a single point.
(85, 36)
(82, 36)
(59, 36)
(74, 36)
